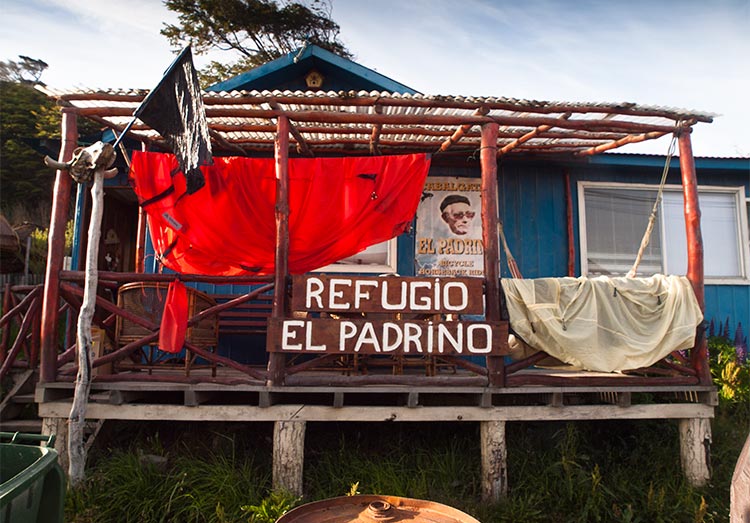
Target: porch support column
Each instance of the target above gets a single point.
(695, 450)
(56, 250)
(277, 360)
(140, 239)
(288, 455)
(699, 354)
(494, 460)
(488, 158)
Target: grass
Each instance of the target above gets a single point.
(624, 471)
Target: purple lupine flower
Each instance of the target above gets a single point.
(740, 345)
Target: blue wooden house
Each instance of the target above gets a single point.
(512, 191)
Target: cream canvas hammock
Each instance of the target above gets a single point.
(604, 323)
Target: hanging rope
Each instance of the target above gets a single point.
(512, 265)
(652, 218)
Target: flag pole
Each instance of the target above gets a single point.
(149, 96)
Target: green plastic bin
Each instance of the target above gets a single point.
(32, 484)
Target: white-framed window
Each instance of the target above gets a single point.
(376, 259)
(613, 218)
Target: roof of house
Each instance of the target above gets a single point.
(289, 71)
(357, 123)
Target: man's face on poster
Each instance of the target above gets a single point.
(458, 216)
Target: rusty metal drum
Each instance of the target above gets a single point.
(375, 509)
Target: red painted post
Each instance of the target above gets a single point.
(277, 361)
(488, 160)
(56, 250)
(569, 220)
(699, 354)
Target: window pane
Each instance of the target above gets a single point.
(718, 229)
(615, 222)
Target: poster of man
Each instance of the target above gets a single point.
(449, 228)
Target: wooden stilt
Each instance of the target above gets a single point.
(488, 158)
(277, 360)
(58, 427)
(494, 460)
(739, 492)
(695, 450)
(288, 455)
(56, 250)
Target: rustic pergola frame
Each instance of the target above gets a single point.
(349, 123)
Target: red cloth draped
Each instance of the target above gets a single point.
(174, 318)
(338, 207)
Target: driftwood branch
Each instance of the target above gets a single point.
(77, 418)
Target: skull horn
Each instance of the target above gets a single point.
(110, 173)
(60, 166)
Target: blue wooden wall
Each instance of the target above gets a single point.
(533, 211)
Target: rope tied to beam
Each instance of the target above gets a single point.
(657, 202)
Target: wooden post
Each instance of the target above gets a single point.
(494, 460)
(140, 239)
(488, 158)
(739, 492)
(58, 427)
(699, 354)
(695, 450)
(288, 455)
(56, 250)
(569, 221)
(277, 361)
(76, 447)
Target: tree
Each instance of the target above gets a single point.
(259, 30)
(25, 182)
(27, 71)
(29, 120)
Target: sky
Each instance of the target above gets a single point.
(692, 54)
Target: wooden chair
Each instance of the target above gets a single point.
(147, 300)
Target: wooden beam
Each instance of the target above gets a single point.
(56, 250)
(622, 141)
(375, 134)
(530, 135)
(415, 130)
(628, 109)
(130, 277)
(302, 147)
(216, 135)
(322, 116)
(301, 412)
(461, 131)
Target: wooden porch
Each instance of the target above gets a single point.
(201, 384)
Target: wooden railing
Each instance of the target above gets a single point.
(19, 342)
(247, 314)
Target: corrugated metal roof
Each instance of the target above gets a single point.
(382, 123)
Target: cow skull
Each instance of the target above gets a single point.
(86, 161)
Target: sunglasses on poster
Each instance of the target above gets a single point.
(460, 215)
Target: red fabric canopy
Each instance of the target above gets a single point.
(338, 207)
